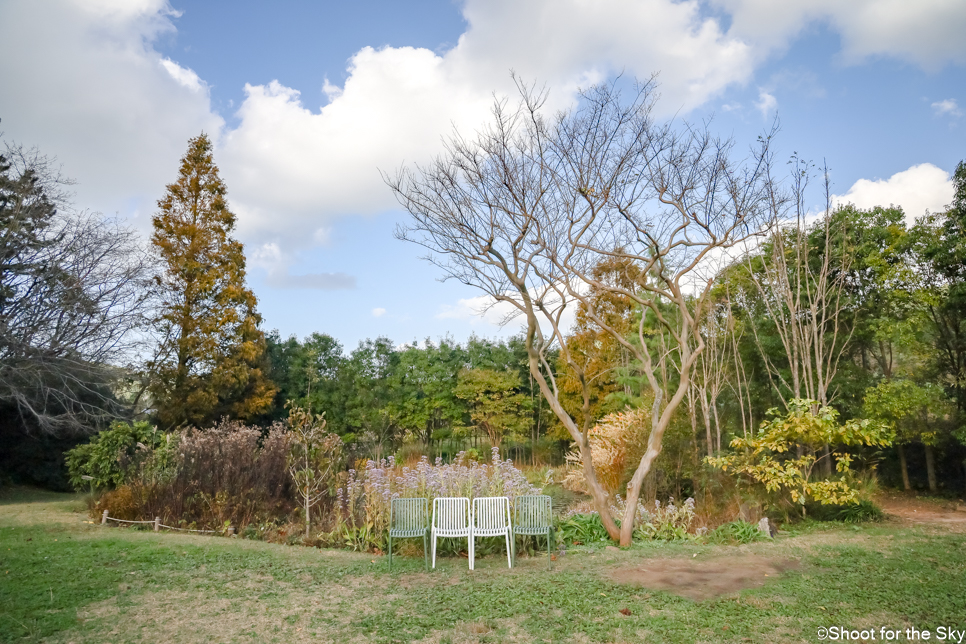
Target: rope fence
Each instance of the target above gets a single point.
(158, 525)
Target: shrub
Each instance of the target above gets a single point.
(583, 529)
(110, 454)
(765, 458)
(666, 523)
(614, 443)
(736, 532)
(229, 474)
(848, 513)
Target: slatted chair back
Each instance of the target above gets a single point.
(408, 518)
(451, 518)
(533, 515)
(491, 518)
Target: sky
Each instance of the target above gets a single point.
(307, 103)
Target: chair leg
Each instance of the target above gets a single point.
(472, 541)
(426, 549)
(513, 547)
(549, 548)
(434, 550)
(509, 557)
(390, 552)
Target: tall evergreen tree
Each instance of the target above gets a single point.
(212, 354)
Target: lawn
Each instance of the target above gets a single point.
(65, 580)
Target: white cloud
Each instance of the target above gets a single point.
(378, 312)
(82, 82)
(925, 32)
(117, 113)
(398, 103)
(947, 107)
(766, 103)
(281, 278)
(185, 77)
(922, 187)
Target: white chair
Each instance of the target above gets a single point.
(491, 518)
(451, 518)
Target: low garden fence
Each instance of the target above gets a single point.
(158, 525)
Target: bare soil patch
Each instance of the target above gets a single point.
(910, 509)
(700, 579)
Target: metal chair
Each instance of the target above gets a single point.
(408, 519)
(533, 516)
(491, 518)
(451, 518)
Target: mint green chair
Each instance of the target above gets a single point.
(408, 518)
(533, 516)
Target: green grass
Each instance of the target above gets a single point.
(65, 580)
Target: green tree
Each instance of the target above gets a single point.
(211, 358)
(939, 241)
(917, 413)
(497, 407)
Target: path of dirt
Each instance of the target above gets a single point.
(703, 578)
(910, 509)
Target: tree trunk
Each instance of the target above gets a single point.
(308, 519)
(930, 468)
(905, 468)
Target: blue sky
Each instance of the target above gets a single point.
(307, 101)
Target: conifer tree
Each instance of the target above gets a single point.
(212, 353)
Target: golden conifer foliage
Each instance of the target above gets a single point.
(209, 362)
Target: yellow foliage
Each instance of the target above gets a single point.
(616, 442)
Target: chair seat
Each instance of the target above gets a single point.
(491, 532)
(404, 534)
(449, 532)
(535, 532)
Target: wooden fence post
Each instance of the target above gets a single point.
(104, 517)
(157, 523)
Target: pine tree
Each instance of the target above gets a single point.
(212, 353)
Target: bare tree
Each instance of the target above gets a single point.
(72, 291)
(527, 210)
(801, 283)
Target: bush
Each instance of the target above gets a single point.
(110, 454)
(205, 479)
(668, 523)
(848, 513)
(583, 529)
(736, 532)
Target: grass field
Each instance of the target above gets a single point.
(65, 580)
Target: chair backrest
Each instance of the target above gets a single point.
(491, 512)
(408, 514)
(451, 513)
(532, 511)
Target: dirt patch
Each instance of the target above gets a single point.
(909, 509)
(700, 579)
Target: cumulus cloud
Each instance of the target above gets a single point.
(920, 188)
(378, 312)
(927, 32)
(99, 96)
(397, 103)
(947, 107)
(82, 82)
(766, 103)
